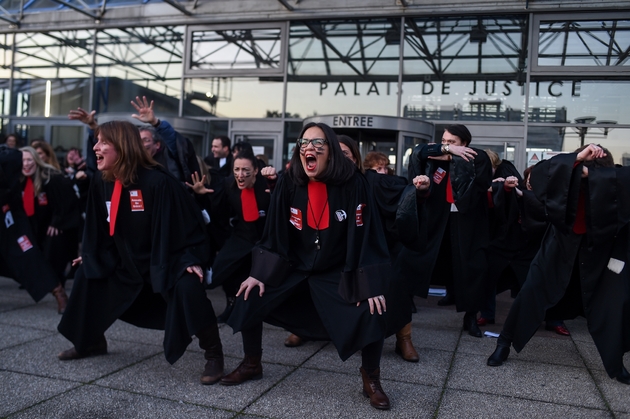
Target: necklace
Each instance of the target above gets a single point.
(318, 222)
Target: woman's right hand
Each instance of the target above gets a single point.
(248, 285)
(199, 185)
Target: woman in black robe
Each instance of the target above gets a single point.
(322, 234)
(582, 266)
(143, 253)
(52, 207)
(20, 256)
(246, 199)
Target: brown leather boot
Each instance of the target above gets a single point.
(249, 369)
(62, 298)
(210, 341)
(293, 341)
(99, 348)
(404, 345)
(372, 389)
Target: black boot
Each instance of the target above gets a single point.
(501, 353)
(229, 306)
(470, 324)
(210, 341)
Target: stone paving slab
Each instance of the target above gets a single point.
(180, 382)
(40, 358)
(15, 335)
(527, 380)
(19, 391)
(94, 402)
(488, 406)
(320, 394)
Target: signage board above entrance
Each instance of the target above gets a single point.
(375, 122)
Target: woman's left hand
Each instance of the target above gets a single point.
(378, 302)
(196, 269)
(52, 231)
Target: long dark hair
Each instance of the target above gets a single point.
(125, 138)
(339, 169)
(354, 149)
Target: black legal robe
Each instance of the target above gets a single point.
(387, 191)
(233, 262)
(57, 205)
(573, 271)
(134, 275)
(20, 256)
(313, 291)
(467, 228)
(508, 255)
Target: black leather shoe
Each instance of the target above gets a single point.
(447, 300)
(470, 324)
(500, 354)
(623, 376)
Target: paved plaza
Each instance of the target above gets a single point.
(554, 376)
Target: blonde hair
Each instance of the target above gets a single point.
(494, 158)
(48, 151)
(43, 171)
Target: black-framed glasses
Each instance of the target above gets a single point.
(317, 142)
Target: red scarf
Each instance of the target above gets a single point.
(113, 210)
(249, 206)
(28, 197)
(449, 190)
(318, 217)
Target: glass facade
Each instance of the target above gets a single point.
(556, 81)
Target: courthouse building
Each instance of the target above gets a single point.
(530, 78)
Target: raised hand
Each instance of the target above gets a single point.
(82, 115)
(145, 110)
(199, 185)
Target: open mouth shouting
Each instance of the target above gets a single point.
(106, 154)
(314, 152)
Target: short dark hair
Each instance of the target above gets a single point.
(243, 146)
(460, 131)
(339, 169)
(225, 140)
(606, 161)
(157, 138)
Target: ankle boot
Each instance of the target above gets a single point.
(62, 298)
(210, 341)
(98, 348)
(249, 369)
(404, 345)
(373, 390)
(470, 324)
(501, 353)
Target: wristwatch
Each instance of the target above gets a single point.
(445, 149)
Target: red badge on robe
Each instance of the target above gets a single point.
(296, 218)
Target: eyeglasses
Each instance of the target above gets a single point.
(317, 142)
